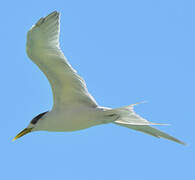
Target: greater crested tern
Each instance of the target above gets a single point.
(73, 106)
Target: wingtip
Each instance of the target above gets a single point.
(54, 13)
(183, 143)
(176, 140)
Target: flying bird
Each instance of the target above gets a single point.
(74, 108)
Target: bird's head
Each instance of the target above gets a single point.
(33, 124)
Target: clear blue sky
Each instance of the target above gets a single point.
(127, 51)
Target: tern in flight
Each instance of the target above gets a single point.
(73, 106)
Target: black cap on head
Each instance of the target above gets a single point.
(35, 119)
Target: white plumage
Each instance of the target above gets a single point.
(43, 49)
(73, 106)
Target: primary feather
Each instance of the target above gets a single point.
(151, 131)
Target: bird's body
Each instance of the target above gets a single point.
(72, 119)
(73, 106)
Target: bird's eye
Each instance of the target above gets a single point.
(35, 119)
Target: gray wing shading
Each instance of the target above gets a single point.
(43, 49)
(151, 131)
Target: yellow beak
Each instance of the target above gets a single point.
(22, 133)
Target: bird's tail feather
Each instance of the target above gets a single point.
(128, 118)
(127, 115)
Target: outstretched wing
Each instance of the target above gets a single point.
(151, 131)
(43, 49)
